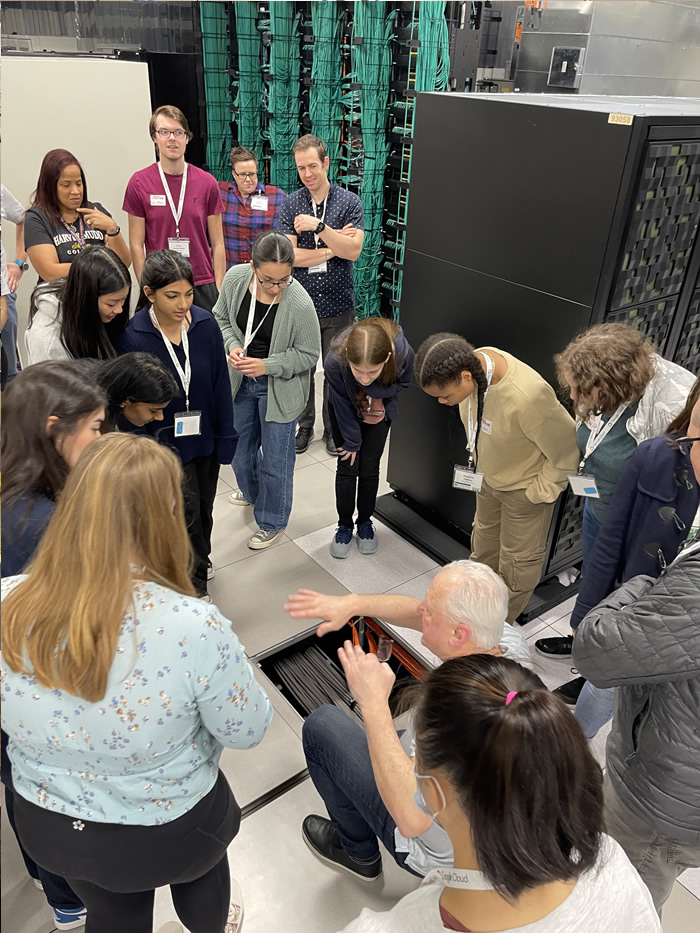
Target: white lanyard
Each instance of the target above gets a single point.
(177, 214)
(322, 218)
(249, 332)
(186, 376)
(471, 428)
(468, 880)
(599, 432)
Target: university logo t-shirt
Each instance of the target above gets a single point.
(38, 229)
(145, 197)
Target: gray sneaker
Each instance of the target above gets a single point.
(340, 545)
(237, 498)
(366, 539)
(262, 539)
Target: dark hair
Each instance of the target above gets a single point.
(46, 194)
(241, 154)
(522, 772)
(31, 463)
(135, 377)
(95, 271)
(168, 110)
(440, 361)
(681, 423)
(309, 141)
(163, 268)
(272, 247)
(370, 341)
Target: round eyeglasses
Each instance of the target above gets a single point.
(268, 283)
(164, 134)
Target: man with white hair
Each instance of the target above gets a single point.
(366, 777)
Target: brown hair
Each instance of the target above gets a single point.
(522, 771)
(168, 110)
(368, 343)
(46, 194)
(310, 142)
(241, 154)
(615, 360)
(122, 502)
(681, 423)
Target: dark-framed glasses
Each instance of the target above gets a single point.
(686, 440)
(247, 175)
(269, 283)
(165, 134)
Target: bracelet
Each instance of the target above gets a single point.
(116, 232)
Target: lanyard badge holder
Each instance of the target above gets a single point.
(258, 201)
(249, 332)
(177, 243)
(584, 484)
(467, 477)
(320, 266)
(186, 423)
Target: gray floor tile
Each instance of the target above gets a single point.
(284, 886)
(417, 586)
(233, 527)
(560, 611)
(314, 501)
(690, 880)
(562, 625)
(681, 913)
(395, 562)
(252, 593)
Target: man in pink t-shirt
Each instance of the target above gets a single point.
(174, 205)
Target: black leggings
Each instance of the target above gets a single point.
(361, 480)
(114, 869)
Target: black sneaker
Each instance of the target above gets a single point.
(330, 445)
(570, 691)
(322, 838)
(303, 439)
(555, 647)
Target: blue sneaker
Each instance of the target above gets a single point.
(340, 545)
(69, 919)
(366, 538)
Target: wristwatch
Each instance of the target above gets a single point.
(116, 232)
(24, 265)
(320, 228)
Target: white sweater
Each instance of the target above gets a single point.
(611, 898)
(43, 338)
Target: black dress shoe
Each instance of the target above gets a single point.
(555, 647)
(330, 445)
(570, 691)
(303, 439)
(322, 838)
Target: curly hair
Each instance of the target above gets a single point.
(613, 359)
(440, 361)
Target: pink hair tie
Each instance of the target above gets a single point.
(509, 698)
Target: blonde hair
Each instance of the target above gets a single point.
(369, 342)
(121, 505)
(614, 359)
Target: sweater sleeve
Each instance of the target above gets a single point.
(225, 312)
(224, 436)
(554, 433)
(305, 347)
(343, 406)
(43, 338)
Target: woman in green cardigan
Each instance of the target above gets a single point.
(273, 342)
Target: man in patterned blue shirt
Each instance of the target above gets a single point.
(326, 226)
(250, 207)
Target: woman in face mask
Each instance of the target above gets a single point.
(503, 766)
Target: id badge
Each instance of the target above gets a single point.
(467, 478)
(188, 423)
(157, 200)
(258, 202)
(182, 246)
(584, 485)
(321, 267)
(486, 426)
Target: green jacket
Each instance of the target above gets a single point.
(294, 349)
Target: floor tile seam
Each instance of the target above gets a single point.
(253, 553)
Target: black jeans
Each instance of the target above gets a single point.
(201, 477)
(330, 328)
(361, 480)
(205, 296)
(115, 868)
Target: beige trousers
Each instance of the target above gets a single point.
(510, 535)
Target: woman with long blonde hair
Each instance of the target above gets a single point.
(120, 689)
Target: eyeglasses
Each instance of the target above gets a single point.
(685, 440)
(246, 175)
(268, 283)
(165, 134)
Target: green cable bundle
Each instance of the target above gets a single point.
(250, 84)
(285, 64)
(216, 85)
(325, 93)
(433, 66)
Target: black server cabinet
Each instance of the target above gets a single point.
(530, 218)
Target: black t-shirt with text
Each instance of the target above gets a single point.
(38, 229)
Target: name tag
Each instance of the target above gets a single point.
(468, 479)
(583, 485)
(485, 426)
(258, 202)
(320, 267)
(157, 200)
(181, 245)
(187, 423)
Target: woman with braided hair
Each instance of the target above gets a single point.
(521, 447)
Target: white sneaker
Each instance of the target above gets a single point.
(262, 539)
(237, 498)
(171, 927)
(234, 923)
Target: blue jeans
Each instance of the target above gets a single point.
(9, 336)
(338, 759)
(264, 458)
(594, 706)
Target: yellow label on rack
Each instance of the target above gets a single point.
(622, 119)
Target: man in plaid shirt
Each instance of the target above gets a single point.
(250, 208)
